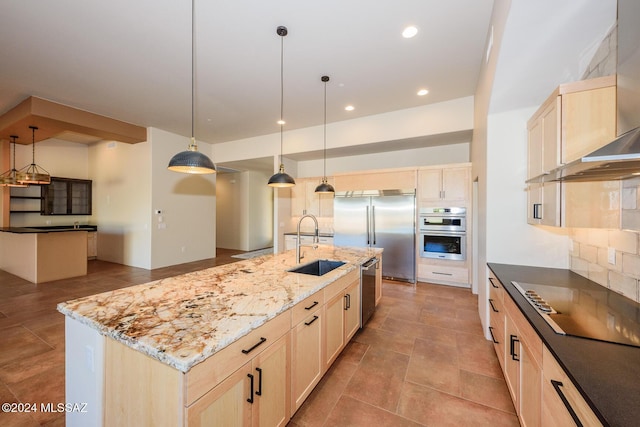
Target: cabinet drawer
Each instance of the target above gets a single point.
(339, 285)
(526, 332)
(305, 307)
(438, 273)
(555, 412)
(207, 374)
(496, 291)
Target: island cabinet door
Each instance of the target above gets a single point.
(272, 385)
(334, 329)
(227, 404)
(306, 357)
(352, 310)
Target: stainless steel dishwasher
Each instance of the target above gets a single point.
(368, 289)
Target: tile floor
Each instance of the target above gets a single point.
(421, 360)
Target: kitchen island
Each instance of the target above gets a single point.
(43, 254)
(178, 340)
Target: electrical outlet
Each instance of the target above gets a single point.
(611, 256)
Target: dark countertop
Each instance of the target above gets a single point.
(48, 229)
(607, 374)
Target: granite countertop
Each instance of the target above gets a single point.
(48, 229)
(185, 319)
(607, 374)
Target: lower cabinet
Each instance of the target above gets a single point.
(562, 404)
(259, 380)
(306, 361)
(342, 313)
(256, 394)
(542, 393)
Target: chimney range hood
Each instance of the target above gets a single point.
(620, 159)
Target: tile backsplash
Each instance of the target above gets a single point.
(593, 249)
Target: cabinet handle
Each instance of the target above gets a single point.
(250, 399)
(312, 305)
(262, 340)
(537, 214)
(557, 385)
(347, 301)
(492, 337)
(493, 307)
(259, 391)
(493, 284)
(442, 274)
(311, 321)
(514, 339)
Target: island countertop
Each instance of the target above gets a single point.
(185, 319)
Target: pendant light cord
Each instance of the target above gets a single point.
(193, 68)
(324, 167)
(281, 93)
(33, 145)
(13, 166)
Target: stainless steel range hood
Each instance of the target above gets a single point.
(620, 159)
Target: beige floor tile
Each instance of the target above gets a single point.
(350, 412)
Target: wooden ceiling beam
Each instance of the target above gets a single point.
(53, 119)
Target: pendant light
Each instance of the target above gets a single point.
(281, 179)
(9, 178)
(33, 174)
(192, 161)
(324, 186)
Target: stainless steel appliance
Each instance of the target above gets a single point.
(368, 289)
(585, 312)
(381, 219)
(443, 233)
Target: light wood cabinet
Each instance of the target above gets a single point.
(497, 318)
(92, 244)
(378, 280)
(342, 320)
(576, 119)
(396, 179)
(562, 404)
(306, 361)
(304, 199)
(444, 184)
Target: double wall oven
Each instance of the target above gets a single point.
(443, 233)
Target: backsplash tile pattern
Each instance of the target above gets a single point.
(590, 258)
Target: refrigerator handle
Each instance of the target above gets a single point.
(373, 223)
(368, 228)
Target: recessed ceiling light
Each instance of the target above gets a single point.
(409, 32)
(349, 108)
(281, 122)
(423, 92)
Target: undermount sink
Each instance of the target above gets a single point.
(318, 267)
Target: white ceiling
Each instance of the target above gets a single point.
(131, 60)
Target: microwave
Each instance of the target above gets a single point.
(443, 219)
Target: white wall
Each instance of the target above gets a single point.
(244, 211)
(434, 119)
(510, 240)
(187, 231)
(443, 154)
(121, 175)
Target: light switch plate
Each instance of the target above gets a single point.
(611, 256)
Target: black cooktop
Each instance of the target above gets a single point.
(585, 312)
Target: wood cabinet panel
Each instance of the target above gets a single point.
(444, 184)
(306, 357)
(334, 329)
(381, 180)
(554, 411)
(272, 385)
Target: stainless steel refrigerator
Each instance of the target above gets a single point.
(381, 219)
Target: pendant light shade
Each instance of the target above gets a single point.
(324, 186)
(281, 179)
(191, 160)
(9, 178)
(33, 174)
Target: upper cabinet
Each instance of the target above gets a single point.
(576, 119)
(444, 184)
(304, 199)
(67, 196)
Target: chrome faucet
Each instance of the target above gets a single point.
(315, 239)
